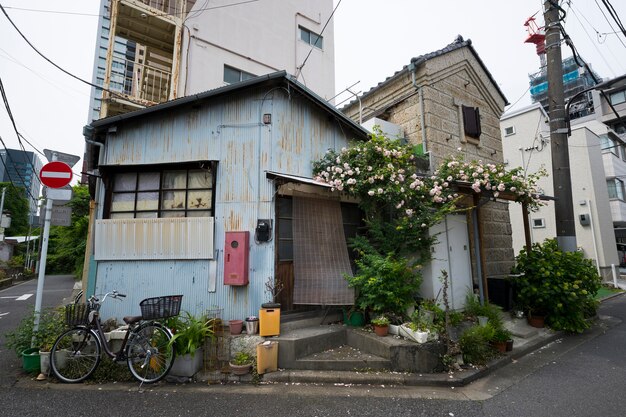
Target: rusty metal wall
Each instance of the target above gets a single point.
(229, 131)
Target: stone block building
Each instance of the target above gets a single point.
(446, 102)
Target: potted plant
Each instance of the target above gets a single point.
(241, 363)
(381, 325)
(556, 285)
(190, 333)
(500, 338)
(31, 345)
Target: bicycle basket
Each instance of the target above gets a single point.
(76, 314)
(160, 307)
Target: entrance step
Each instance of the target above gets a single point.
(342, 358)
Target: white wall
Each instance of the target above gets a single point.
(589, 191)
(529, 148)
(259, 38)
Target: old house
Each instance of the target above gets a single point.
(210, 196)
(446, 102)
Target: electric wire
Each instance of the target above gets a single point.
(519, 99)
(10, 114)
(609, 22)
(56, 65)
(591, 39)
(614, 15)
(160, 14)
(299, 69)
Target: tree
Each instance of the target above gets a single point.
(16, 204)
(66, 251)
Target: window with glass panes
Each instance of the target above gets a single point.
(167, 193)
(616, 188)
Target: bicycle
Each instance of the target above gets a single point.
(146, 346)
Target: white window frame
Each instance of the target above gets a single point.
(539, 223)
(312, 38)
(618, 185)
(509, 130)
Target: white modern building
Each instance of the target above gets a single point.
(526, 143)
(151, 51)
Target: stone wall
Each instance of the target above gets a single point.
(445, 83)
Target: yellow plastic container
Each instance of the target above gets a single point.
(267, 357)
(269, 321)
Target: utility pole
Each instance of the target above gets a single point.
(563, 207)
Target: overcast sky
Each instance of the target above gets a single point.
(373, 39)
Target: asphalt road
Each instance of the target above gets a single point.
(16, 303)
(581, 375)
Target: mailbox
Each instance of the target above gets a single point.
(236, 250)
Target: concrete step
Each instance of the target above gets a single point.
(301, 342)
(342, 358)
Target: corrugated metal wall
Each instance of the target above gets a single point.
(228, 131)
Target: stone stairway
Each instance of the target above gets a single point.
(338, 347)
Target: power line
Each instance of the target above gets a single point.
(161, 14)
(614, 15)
(54, 64)
(10, 114)
(609, 22)
(299, 69)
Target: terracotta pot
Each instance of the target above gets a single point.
(235, 326)
(381, 330)
(499, 346)
(509, 345)
(239, 369)
(536, 321)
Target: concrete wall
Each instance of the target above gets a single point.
(529, 147)
(259, 38)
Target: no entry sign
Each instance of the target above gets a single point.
(55, 174)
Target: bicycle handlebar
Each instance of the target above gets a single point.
(96, 303)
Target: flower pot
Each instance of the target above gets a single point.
(427, 315)
(187, 365)
(482, 320)
(30, 360)
(394, 329)
(509, 345)
(44, 362)
(381, 331)
(235, 326)
(416, 336)
(353, 318)
(239, 369)
(252, 325)
(536, 321)
(499, 346)
(420, 336)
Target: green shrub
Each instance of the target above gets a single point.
(51, 325)
(190, 332)
(560, 285)
(473, 309)
(384, 284)
(474, 344)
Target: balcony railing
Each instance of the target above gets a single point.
(140, 81)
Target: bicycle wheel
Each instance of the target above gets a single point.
(149, 352)
(75, 354)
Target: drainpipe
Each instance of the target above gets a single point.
(87, 133)
(420, 90)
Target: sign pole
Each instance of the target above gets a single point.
(42, 261)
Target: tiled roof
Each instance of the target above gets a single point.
(458, 43)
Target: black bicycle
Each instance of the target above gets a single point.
(146, 346)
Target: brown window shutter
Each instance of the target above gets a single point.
(471, 121)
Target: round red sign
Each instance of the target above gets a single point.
(55, 174)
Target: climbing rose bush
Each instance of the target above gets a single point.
(401, 204)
